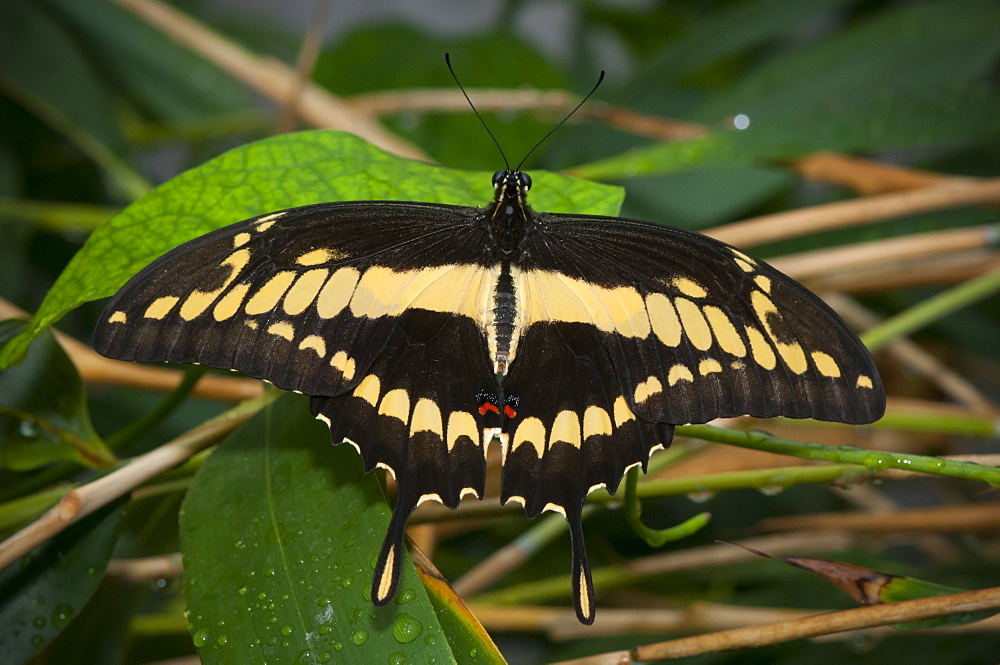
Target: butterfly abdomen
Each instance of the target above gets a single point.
(504, 315)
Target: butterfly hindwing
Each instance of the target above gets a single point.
(415, 413)
(572, 431)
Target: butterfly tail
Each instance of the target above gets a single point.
(385, 582)
(583, 583)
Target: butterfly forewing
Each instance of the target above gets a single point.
(699, 330)
(303, 298)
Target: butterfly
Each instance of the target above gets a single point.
(422, 331)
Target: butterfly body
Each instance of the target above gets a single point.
(424, 331)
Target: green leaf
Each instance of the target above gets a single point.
(908, 47)
(43, 409)
(273, 174)
(41, 594)
(279, 534)
(889, 120)
(732, 29)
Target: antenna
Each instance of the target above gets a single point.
(600, 78)
(563, 121)
(447, 59)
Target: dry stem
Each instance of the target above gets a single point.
(318, 107)
(82, 501)
(844, 214)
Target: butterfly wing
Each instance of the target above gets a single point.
(415, 414)
(697, 329)
(304, 298)
(630, 328)
(370, 308)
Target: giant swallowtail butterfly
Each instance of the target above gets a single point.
(423, 331)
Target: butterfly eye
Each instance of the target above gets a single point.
(498, 178)
(525, 181)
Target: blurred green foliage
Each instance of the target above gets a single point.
(98, 107)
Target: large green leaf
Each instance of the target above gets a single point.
(908, 47)
(43, 592)
(279, 534)
(273, 174)
(43, 409)
(890, 120)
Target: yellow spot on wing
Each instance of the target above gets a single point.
(266, 222)
(198, 301)
(744, 266)
(679, 373)
(453, 289)
(586, 608)
(708, 366)
(647, 389)
(314, 342)
(161, 307)
(304, 291)
(554, 296)
(337, 292)
(385, 582)
(282, 329)
(427, 418)
(763, 282)
(663, 319)
(230, 303)
(762, 352)
(623, 414)
(461, 423)
(743, 256)
(864, 381)
(791, 352)
(369, 389)
(319, 257)
(725, 332)
(118, 317)
(689, 287)
(341, 361)
(530, 431)
(596, 422)
(825, 363)
(241, 239)
(566, 428)
(396, 404)
(695, 325)
(267, 296)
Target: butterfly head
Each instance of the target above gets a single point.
(510, 189)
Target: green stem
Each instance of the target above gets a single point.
(932, 309)
(60, 216)
(962, 425)
(656, 537)
(874, 460)
(152, 420)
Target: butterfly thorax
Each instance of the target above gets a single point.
(509, 218)
(509, 213)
